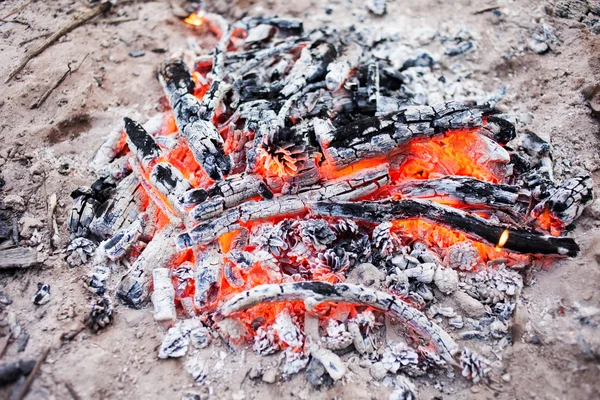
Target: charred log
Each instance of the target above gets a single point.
(478, 228)
(315, 293)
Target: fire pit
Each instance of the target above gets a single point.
(294, 196)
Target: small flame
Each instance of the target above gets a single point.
(195, 19)
(503, 239)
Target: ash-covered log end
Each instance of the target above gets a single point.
(176, 79)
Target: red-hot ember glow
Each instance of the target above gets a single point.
(195, 19)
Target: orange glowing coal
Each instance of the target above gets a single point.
(195, 19)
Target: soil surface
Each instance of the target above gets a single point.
(46, 150)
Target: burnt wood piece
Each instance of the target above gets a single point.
(11, 372)
(176, 80)
(141, 143)
(341, 68)
(383, 135)
(345, 188)
(477, 228)
(207, 277)
(311, 66)
(18, 257)
(313, 293)
(373, 82)
(169, 181)
(193, 119)
(117, 246)
(225, 194)
(134, 288)
(470, 192)
(567, 201)
(119, 211)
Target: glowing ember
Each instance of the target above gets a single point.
(195, 19)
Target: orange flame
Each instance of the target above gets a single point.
(195, 19)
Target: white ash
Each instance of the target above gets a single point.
(404, 261)
(337, 336)
(446, 280)
(295, 361)
(317, 233)
(462, 256)
(399, 356)
(404, 389)
(333, 364)
(288, 331)
(265, 342)
(178, 338)
(197, 368)
(492, 285)
(473, 366)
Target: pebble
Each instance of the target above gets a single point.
(270, 376)
(475, 389)
(470, 306)
(506, 378)
(14, 202)
(378, 371)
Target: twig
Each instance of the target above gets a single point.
(24, 42)
(486, 9)
(121, 20)
(18, 9)
(16, 21)
(60, 80)
(34, 372)
(72, 391)
(4, 344)
(102, 7)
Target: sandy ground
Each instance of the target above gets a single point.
(556, 359)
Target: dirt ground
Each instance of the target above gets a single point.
(46, 150)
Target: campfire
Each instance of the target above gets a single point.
(295, 197)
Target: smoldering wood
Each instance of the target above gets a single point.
(204, 140)
(207, 277)
(345, 188)
(470, 192)
(18, 257)
(475, 227)
(120, 242)
(311, 66)
(381, 136)
(169, 181)
(313, 293)
(141, 143)
(133, 290)
(568, 200)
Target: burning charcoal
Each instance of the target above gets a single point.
(332, 363)
(264, 341)
(287, 331)
(404, 389)
(566, 203)
(337, 337)
(42, 296)
(80, 251)
(463, 256)
(385, 240)
(207, 277)
(163, 296)
(101, 314)
(473, 366)
(317, 232)
(141, 143)
(316, 374)
(398, 356)
(377, 7)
